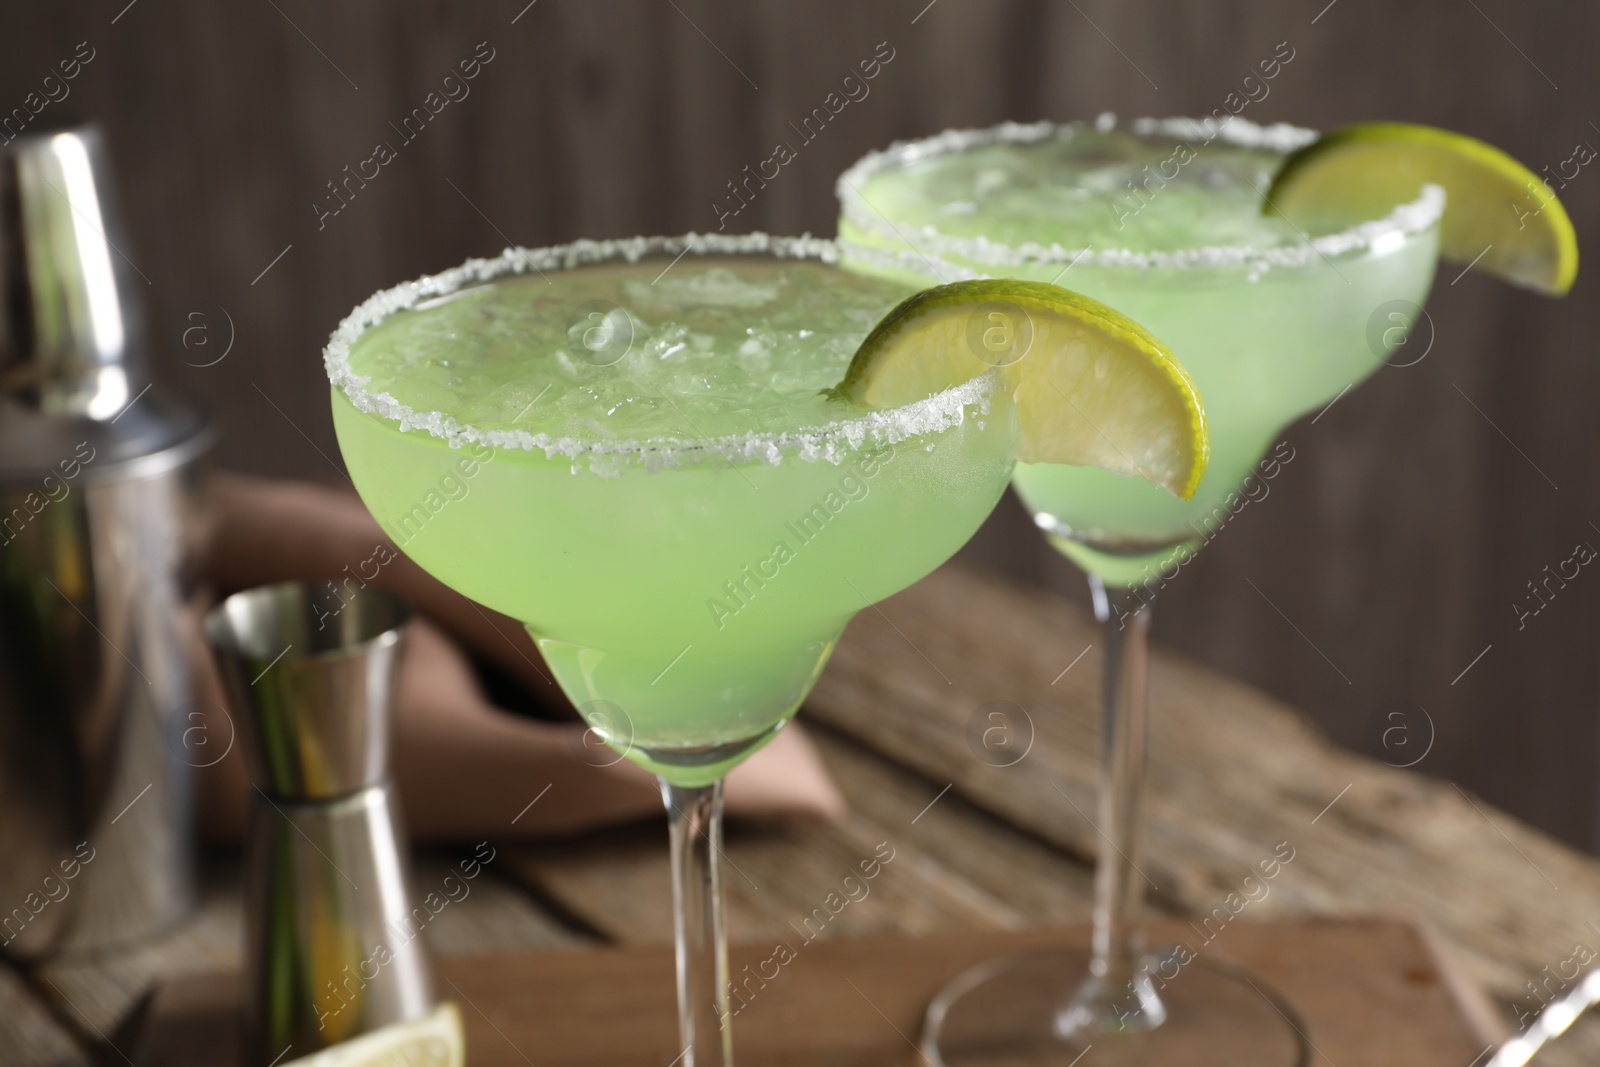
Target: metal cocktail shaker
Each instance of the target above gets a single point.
(98, 488)
(333, 944)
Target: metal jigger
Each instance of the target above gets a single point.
(333, 945)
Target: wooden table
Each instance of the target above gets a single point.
(980, 847)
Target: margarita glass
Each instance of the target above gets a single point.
(1273, 318)
(627, 446)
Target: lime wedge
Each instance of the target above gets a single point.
(1091, 387)
(435, 1040)
(1498, 214)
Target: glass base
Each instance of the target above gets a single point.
(1010, 1012)
(693, 766)
(1147, 567)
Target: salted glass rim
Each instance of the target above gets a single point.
(1403, 221)
(834, 441)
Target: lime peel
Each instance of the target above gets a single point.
(1090, 386)
(1499, 215)
(435, 1040)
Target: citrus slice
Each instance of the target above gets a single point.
(435, 1040)
(1498, 214)
(1091, 387)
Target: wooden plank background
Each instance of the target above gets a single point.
(1386, 559)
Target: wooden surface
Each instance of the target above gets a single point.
(100, 993)
(1231, 776)
(990, 851)
(1372, 993)
(1395, 544)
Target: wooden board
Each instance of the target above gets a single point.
(1233, 773)
(29, 1037)
(1372, 992)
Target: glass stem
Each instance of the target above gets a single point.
(1119, 995)
(694, 817)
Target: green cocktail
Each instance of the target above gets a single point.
(1273, 317)
(632, 453)
(1168, 229)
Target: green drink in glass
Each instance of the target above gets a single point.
(627, 446)
(1274, 318)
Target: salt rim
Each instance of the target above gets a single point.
(1414, 217)
(833, 442)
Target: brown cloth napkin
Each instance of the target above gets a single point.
(465, 768)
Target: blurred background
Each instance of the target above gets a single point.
(1375, 588)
